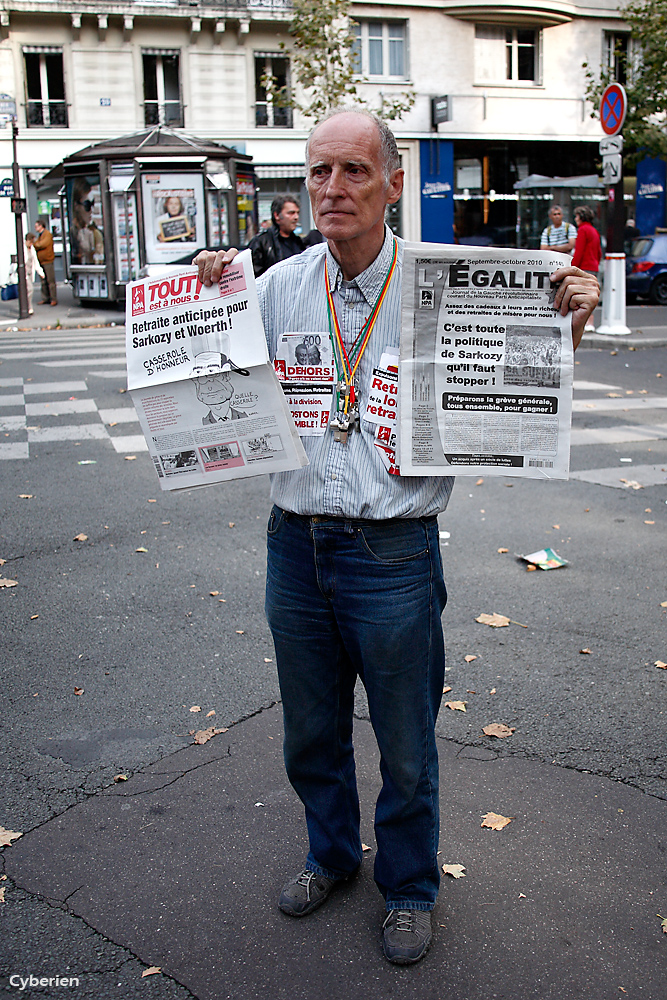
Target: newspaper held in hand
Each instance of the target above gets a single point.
(208, 401)
(486, 364)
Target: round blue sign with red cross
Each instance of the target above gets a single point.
(613, 107)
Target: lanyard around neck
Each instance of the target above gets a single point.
(348, 362)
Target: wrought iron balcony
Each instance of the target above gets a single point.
(47, 114)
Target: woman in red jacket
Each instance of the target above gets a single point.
(587, 250)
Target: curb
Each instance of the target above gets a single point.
(622, 342)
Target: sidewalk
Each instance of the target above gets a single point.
(182, 864)
(68, 314)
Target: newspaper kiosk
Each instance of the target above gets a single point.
(152, 198)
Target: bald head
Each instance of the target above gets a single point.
(388, 150)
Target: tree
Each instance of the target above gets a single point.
(645, 68)
(324, 63)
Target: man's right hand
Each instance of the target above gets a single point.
(211, 264)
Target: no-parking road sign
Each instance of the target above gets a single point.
(613, 107)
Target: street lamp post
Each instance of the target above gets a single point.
(18, 207)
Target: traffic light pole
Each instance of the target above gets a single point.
(20, 249)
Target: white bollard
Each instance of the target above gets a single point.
(613, 296)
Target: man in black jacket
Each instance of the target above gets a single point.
(279, 241)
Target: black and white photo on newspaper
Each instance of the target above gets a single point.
(486, 364)
(207, 398)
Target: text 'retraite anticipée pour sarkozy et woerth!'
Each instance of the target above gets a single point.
(484, 378)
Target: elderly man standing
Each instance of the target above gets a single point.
(558, 235)
(354, 576)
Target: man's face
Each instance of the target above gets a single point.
(346, 180)
(556, 216)
(301, 354)
(288, 218)
(214, 389)
(39, 227)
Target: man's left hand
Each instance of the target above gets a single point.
(579, 292)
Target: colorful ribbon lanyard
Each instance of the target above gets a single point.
(348, 362)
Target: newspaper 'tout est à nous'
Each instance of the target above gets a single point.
(486, 364)
(207, 398)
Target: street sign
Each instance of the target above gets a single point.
(611, 144)
(7, 105)
(613, 108)
(6, 187)
(439, 110)
(612, 168)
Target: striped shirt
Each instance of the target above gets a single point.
(555, 236)
(344, 480)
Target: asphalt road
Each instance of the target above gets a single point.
(147, 635)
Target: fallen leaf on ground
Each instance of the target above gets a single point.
(141, 549)
(231, 524)
(494, 620)
(214, 593)
(649, 522)
(498, 729)
(556, 526)
(2, 895)
(209, 714)
(80, 538)
(130, 458)
(469, 658)
(661, 665)
(119, 777)
(495, 821)
(585, 650)
(365, 847)
(613, 395)
(26, 496)
(267, 659)
(154, 969)
(2, 562)
(446, 688)
(4, 582)
(530, 568)
(492, 691)
(78, 690)
(503, 550)
(663, 604)
(456, 706)
(6, 836)
(32, 617)
(239, 631)
(479, 482)
(196, 708)
(632, 483)
(456, 871)
(204, 735)
(663, 924)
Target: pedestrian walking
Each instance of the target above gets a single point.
(46, 256)
(32, 268)
(558, 235)
(587, 250)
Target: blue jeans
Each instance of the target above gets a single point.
(348, 598)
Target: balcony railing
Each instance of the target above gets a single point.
(47, 114)
(165, 113)
(270, 115)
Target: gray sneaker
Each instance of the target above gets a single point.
(406, 935)
(304, 893)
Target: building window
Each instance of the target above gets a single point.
(618, 55)
(380, 49)
(506, 55)
(45, 87)
(162, 89)
(270, 105)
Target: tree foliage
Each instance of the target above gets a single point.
(645, 128)
(322, 57)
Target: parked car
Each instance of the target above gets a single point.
(646, 269)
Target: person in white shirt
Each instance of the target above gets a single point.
(558, 235)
